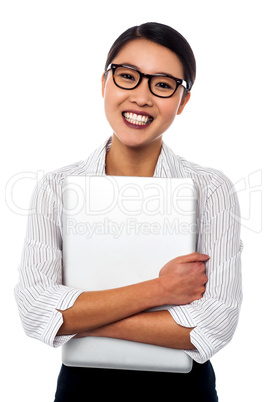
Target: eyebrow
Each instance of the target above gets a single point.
(131, 65)
(137, 68)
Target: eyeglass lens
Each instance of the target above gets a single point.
(127, 78)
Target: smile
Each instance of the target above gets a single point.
(137, 119)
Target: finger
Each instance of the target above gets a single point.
(193, 257)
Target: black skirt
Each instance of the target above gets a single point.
(86, 384)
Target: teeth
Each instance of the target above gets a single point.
(137, 119)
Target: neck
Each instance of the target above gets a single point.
(122, 160)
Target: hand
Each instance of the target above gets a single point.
(184, 278)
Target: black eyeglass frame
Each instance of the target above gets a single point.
(179, 81)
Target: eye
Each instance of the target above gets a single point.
(127, 76)
(163, 85)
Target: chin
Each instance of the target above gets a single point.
(137, 140)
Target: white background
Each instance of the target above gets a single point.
(52, 58)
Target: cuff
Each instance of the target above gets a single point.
(204, 348)
(66, 301)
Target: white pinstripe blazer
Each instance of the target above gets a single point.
(40, 293)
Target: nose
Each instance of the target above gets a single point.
(141, 95)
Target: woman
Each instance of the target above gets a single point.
(147, 81)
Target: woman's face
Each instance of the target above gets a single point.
(122, 105)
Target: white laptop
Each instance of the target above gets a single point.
(120, 230)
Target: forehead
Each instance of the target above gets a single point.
(150, 57)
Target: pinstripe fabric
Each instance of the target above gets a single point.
(40, 293)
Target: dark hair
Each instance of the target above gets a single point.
(163, 35)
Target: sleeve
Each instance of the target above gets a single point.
(215, 316)
(39, 292)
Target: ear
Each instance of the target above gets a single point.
(103, 80)
(184, 102)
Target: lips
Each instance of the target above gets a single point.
(137, 119)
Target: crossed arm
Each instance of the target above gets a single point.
(121, 313)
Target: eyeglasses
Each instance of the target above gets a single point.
(161, 85)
